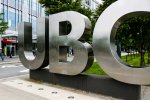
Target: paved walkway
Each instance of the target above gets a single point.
(22, 88)
(8, 60)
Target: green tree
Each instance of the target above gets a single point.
(3, 26)
(102, 7)
(56, 6)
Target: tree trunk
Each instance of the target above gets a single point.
(148, 61)
(142, 63)
(118, 48)
(134, 54)
(0, 40)
(126, 58)
(131, 55)
(148, 51)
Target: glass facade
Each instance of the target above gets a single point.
(92, 4)
(14, 12)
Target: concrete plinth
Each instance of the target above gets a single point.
(91, 83)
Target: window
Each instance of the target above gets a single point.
(37, 9)
(30, 6)
(34, 1)
(34, 8)
(17, 4)
(33, 23)
(5, 13)
(11, 3)
(11, 18)
(20, 16)
(26, 3)
(87, 2)
(5, 2)
(2, 1)
(20, 4)
(1, 11)
(17, 18)
(30, 18)
(40, 10)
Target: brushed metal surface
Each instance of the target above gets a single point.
(25, 44)
(104, 37)
(80, 24)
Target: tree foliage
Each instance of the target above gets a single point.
(134, 34)
(3, 24)
(102, 7)
(56, 6)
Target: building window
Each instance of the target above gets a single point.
(20, 4)
(5, 11)
(17, 4)
(12, 10)
(34, 8)
(87, 2)
(30, 18)
(11, 3)
(39, 10)
(30, 6)
(33, 23)
(20, 16)
(5, 2)
(17, 19)
(12, 18)
(2, 1)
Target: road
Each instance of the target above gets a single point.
(12, 69)
(12, 66)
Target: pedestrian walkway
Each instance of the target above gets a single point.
(22, 88)
(8, 60)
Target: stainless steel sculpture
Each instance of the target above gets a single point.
(53, 39)
(25, 43)
(80, 24)
(104, 36)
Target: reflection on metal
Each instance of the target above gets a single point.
(25, 44)
(58, 39)
(104, 37)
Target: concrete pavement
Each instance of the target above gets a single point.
(8, 60)
(22, 88)
(11, 93)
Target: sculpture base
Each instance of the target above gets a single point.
(90, 83)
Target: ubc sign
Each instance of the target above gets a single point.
(52, 42)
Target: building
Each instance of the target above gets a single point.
(16, 11)
(92, 4)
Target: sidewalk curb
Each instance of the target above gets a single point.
(9, 62)
(13, 77)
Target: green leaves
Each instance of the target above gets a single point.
(3, 25)
(56, 6)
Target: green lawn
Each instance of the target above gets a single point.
(135, 62)
(95, 69)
